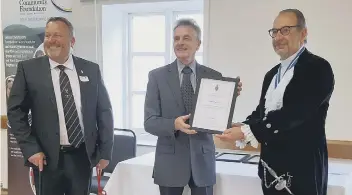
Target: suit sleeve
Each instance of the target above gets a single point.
(105, 121)
(154, 123)
(316, 90)
(18, 106)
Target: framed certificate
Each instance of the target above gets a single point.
(214, 105)
(231, 157)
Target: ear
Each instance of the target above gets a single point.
(199, 43)
(304, 34)
(73, 41)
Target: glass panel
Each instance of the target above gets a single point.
(141, 65)
(148, 33)
(137, 115)
(198, 18)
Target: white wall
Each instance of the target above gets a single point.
(239, 45)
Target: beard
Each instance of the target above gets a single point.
(53, 51)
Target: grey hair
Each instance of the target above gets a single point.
(301, 20)
(190, 23)
(65, 21)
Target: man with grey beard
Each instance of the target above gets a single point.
(72, 121)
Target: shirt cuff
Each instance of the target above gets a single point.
(249, 138)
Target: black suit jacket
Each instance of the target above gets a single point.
(293, 138)
(33, 90)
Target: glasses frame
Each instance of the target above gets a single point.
(271, 34)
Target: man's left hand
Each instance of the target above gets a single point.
(102, 165)
(232, 134)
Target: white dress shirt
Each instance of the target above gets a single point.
(180, 67)
(73, 77)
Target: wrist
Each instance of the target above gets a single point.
(242, 136)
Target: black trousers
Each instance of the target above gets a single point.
(300, 187)
(73, 176)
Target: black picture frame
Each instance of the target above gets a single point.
(230, 117)
(244, 156)
(247, 160)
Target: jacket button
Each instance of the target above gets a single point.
(276, 131)
(268, 125)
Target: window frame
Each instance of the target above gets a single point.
(123, 14)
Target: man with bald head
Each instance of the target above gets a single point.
(289, 121)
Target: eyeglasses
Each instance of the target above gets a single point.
(285, 30)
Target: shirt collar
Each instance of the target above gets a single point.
(68, 64)
(181, 66)
(286, 62)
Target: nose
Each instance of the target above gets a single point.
(51, 39)
(180, 42)
(278, 36)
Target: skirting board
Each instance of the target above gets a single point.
(336, 148)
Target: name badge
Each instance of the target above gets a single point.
(83, 78)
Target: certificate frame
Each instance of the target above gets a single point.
(244, 157)
(232, 109)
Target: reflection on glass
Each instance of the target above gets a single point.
(198, 18)
(148, 33)
(137, 110)
(141, 65)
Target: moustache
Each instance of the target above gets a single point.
(279, 43)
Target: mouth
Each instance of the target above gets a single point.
(280, 46)
(54, 47)
(53, 50)
(181, 49)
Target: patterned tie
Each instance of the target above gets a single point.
(74, 131)
(187, 89)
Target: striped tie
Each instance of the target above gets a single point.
(74, 131)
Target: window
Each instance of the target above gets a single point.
(146, 35)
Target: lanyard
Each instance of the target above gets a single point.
(292, 64)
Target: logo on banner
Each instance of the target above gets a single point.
(33, 6)
(63, 5)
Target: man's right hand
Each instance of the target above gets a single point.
(182, 126)
(38, 160)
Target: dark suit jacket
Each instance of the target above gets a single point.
(177, 154)
(33, 90)
(293, 138)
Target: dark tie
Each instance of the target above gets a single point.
(74, 131)
(187, 89)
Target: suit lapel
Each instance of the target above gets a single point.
(81, 72)
(200, 72)
(174, 82)
(47, 79)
